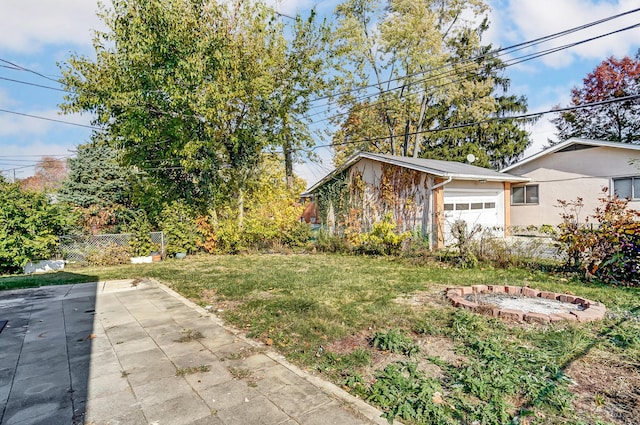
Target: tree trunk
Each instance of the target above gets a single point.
(240, 208)
(288, 163)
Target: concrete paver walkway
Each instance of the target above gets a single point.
(125, 352)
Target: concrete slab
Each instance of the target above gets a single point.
(116, 352)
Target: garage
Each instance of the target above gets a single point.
(475, 207)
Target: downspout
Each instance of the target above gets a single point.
(431, 214)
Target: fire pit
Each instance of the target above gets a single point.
(525, 304)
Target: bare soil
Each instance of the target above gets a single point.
(606, 389)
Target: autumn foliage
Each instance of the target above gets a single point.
(616, 80)
(607, 245)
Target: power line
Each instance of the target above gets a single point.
(488, 120)
(37, 156)
(51, 119)
(511, 62)
(33, 84)
(22, 68)
(518, 46)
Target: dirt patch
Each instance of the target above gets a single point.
(431, 298)
(349, 344)
(606, 389)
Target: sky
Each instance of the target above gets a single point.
(36, 35)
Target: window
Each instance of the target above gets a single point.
(523, 195)
(628, 187)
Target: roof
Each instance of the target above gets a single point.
(436, 167)
(573, 142)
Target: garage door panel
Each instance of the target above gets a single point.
(473, 208)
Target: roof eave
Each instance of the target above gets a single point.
(568, 142)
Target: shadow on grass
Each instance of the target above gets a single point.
(606, 333)
(44, 279)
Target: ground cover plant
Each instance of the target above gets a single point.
(381, 329)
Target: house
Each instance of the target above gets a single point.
(571, 169)
(423, 195)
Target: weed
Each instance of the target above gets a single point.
(244, 374)
(600, 400)
(400, 390)
(394, 341)
(239, 372)
(192, 369)
(190, 335)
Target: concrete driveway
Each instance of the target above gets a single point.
(128, 352)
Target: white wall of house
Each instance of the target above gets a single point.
(568, 175)
(472, 201)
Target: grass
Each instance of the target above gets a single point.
(340, 315)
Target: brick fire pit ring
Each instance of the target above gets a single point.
(488, 299)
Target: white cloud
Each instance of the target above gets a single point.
(28, 25)
(522, 20)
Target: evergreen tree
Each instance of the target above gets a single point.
(96, 178)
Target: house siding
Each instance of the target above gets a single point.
(569, 175)
(406, 202)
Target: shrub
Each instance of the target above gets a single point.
(179, 225)
(382, 239)
(140, 229)
(110, 255)
(332, 243)
(607, 246)
(228, 237)
(463, 242)
(29, 226)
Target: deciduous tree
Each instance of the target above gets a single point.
(48, 176)
(426, 70)
(617, 121)
(193, 91)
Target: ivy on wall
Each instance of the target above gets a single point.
(333, 193)
(358, 205)
(401, 192)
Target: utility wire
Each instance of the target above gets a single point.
(33, 84)
(486, 121)
(518, 46)
(506, 64)
(51, 119)
(22, 68)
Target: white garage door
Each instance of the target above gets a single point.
(483, 208)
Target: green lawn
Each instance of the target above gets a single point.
(382, 329)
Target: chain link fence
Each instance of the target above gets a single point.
(78, 248)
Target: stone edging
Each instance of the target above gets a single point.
(591, 310)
